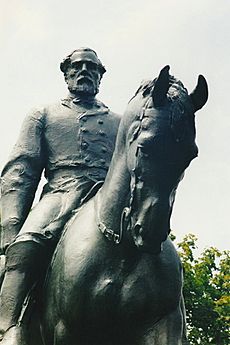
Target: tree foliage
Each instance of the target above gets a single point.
(206, 293)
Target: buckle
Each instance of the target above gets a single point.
(109, 233)
(116, 238)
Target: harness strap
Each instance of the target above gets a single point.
(110, 234)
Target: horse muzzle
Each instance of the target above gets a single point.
(151, 227)
(147, 245)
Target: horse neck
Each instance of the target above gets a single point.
(113, 195)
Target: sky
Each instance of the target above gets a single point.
(134, 39)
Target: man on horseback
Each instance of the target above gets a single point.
(72, 141)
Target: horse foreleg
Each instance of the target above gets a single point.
(167, 331)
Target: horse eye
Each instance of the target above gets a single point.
(146, 143)
(144, 150)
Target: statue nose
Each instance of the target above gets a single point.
(84, 66)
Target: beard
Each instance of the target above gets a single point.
(84, 86)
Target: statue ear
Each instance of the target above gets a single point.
(199, 96)
(159, 93)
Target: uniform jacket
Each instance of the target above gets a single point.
(65, 135)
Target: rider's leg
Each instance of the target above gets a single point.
(26, 259)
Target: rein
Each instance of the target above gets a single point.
(109, 233)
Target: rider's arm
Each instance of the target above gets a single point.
(20, 177)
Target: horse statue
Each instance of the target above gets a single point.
(115, 277)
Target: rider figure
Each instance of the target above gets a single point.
(72, 141)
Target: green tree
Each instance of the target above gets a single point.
(206, 293)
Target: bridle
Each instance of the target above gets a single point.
(126, 213)
(109, 233)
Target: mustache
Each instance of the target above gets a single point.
(84, 74)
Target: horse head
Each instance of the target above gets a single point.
(160, 144)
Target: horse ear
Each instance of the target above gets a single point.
(161, 87)
(199, 96)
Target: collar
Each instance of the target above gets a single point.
(88, 103)
(85, 101)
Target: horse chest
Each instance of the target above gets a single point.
(127, 294)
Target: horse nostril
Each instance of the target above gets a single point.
(137, 236)
(137, 229)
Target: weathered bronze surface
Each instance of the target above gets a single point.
(115, 277)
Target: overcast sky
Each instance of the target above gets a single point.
(134, 39)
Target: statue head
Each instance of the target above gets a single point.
(83, 72)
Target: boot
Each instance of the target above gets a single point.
(23, 268)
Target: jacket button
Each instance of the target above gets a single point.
(101, 133)
(84, 130)
(84, 145)
(100, 121)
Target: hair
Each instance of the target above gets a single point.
(64, 65)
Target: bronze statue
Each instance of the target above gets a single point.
(115, 277)
(72, 141)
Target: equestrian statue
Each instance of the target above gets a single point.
(114, 277)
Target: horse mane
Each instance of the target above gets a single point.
(177, 95)
(175, 92)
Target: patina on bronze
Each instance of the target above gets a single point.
(72, 141)
(116, 278)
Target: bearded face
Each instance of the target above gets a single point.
(83, 75)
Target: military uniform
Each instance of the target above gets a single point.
(73, 142)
